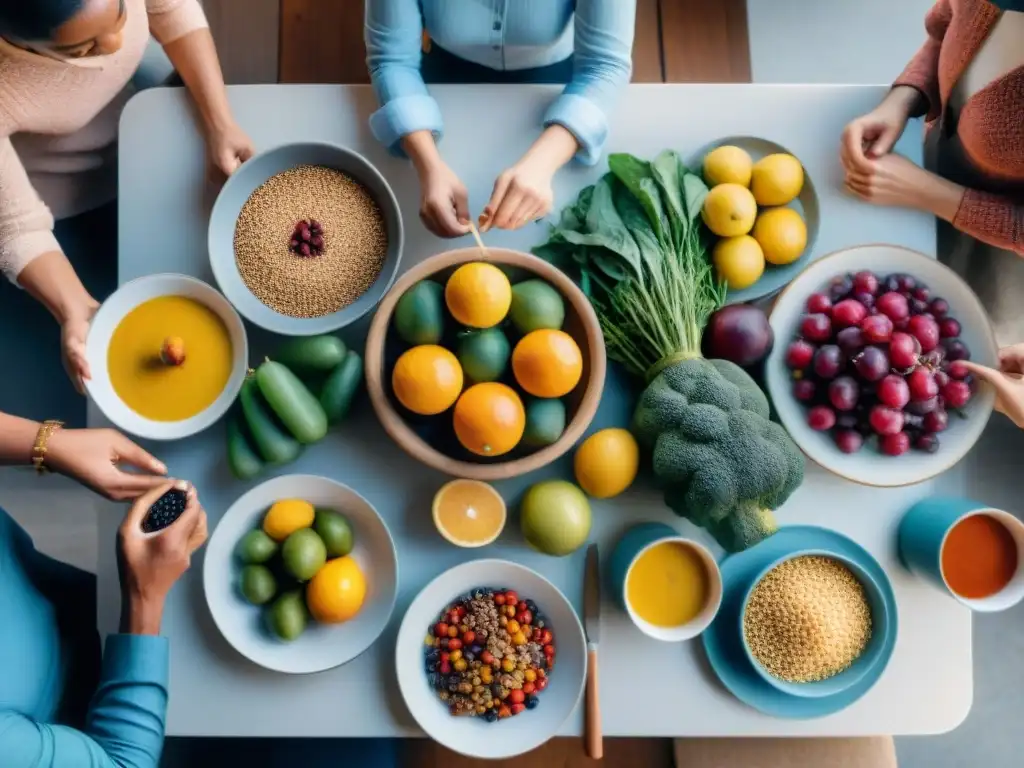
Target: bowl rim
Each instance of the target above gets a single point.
(392, 600)
(868, 583)
(487, 565)
(708, 613)
(209, 415)
(342, 317)
(989, 333)
(394, 422)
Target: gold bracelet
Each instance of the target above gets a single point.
(46, 431)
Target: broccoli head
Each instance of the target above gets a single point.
(720, 460)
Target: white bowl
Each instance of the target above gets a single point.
(473, 736)
(112, 312)
(321, 646)
(868, 466)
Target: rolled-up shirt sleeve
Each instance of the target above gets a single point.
(26, 224)
(394, 38)
(170, 20)
(602, 64)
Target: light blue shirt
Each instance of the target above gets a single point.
(503, 35)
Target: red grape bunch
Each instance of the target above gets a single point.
(879, 357)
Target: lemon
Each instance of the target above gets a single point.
(287, 516)
(478, 295)
(469, 513)
(782, 235)
(728, 165)
(739, 261)
(607, 462)
(776, 179)
(729, 210)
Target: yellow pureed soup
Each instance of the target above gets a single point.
(668, 584)
(154, 389)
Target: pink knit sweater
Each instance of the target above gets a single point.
(62, 117)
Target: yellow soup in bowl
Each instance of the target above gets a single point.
(156, 388)
(668, 585)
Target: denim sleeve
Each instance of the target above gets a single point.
(125, 724)
(602, 63)
(394, 39)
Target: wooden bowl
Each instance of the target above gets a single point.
(439, 450)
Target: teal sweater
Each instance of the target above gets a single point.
(44, 635)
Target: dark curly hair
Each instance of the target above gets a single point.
(35, 19)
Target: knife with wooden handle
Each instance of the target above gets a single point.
(592, 627)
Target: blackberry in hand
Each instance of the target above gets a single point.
(165, 511)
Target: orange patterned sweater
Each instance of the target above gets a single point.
(991, 123)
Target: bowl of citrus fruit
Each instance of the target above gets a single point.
(301, 574)
(485, 364)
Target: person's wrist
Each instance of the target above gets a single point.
(902, 101)
(141, 614)
(942, 197)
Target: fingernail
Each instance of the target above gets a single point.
(181, 485)
(159, 466)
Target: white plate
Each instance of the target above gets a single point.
(321, 646)
(868, 466)
(112, 312)
(473, 736)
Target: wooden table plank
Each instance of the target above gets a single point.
(247, 38)
(647, 60)
(705, 42)
(557, 753)
(322, 42)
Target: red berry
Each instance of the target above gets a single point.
(487, 657)
(453, 617)
(499, 599)
(522, 606)
(504, 711)
(828, 361)
(817, 327)
(516, 696)
(819, 302)
(865, 282)
(922, 384)
(956, 394)
(957, 370)
(843, 393)
(454, 644)
(926, 330)
(893, 305)
(949, 328)
(846, 313)
(468, 637)
(886, 421)
(545, 637)
(511, 598)
(445, 668)
(441, 630)
(529, 687)
(849, 440)
(872, 363)
(893, 391)
(799, 355)
(524, 617)
(894, 445)
(460, 610)
(542, 682)
(935, 421)
(517, 708)
(549, 650)
(904, 351)
(821, 418)
(938, 307)
(876, 328)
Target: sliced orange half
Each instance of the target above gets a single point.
(469, 513)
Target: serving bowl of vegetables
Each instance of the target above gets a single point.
(485, 364)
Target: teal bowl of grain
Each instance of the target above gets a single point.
(813, 623)
(305, 238)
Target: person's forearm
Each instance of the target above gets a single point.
(422, 150)
(52, 281)
(140, 615)
(17, 436)
(906, 99)
(194, 56)
(555, 147)
(942, 198)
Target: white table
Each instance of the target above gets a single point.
(647, 688)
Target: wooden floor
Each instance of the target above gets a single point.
(321, 41)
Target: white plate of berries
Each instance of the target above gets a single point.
(866, 375)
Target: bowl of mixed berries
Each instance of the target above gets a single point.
(869, 378)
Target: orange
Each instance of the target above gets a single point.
(489, 419)
(427, 379)
(782, 235)
(287, 516)
(607, 462)
(478, 295)
(337, 591)
(547, 363)
(469, 513)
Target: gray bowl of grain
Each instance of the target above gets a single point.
(254, 220)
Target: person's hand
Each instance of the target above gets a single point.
(873, 135)
(73, 331)
(890, 180)
(94, 457)
(521, 194)
(149, 564)
(444, 202)
(228, 148)
(1008, 381)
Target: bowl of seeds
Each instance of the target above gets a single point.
(305, 238)
(814, 623)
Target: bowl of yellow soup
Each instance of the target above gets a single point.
(167, 354)
(669, 585)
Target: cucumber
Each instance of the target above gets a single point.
(341, 387)
(311, 354)
(275, 445)
(243, 460)
(292, 402)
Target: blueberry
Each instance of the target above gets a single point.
(165, 511)
(531, 606)
(491, 716)
(469, 656)
(431, 666)
(532, 702)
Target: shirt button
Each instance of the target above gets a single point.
(497, 26)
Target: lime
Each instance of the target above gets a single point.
(258, 584)
(555, 517)
(545, 421)
(484, 354)
(303, 554)
(256, 547)
(334, 529)
(535, 305)
(287, 615)
(419, 314)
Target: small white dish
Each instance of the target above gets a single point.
(473, 736)
(321, 646)
(1013, 592)
(869, 466)
(105, 322)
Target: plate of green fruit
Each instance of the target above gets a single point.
(301, 574)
